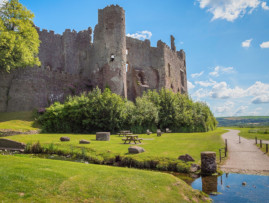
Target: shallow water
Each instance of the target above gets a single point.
(229, 188)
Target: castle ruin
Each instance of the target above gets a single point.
(72, 63)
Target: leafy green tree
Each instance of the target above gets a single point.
(19, 40)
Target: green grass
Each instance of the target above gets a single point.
(263, 148)
(26, 179)
(17, 121)
(244, 132)
(169, 145)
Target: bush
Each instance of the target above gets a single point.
(106, 111)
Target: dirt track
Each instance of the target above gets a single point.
(244, 157)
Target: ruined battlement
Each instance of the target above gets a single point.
(73, 62)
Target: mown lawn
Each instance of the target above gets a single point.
(17, 121)
(26, 179)
(250, 133)
(169, 145)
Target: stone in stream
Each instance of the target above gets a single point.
(208, 163)
(185, 158)
(194, 168)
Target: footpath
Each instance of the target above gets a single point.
(244, 157)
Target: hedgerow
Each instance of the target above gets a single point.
(105, 111)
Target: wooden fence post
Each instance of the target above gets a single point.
(256, 140)
(219, 155)
(266, 148)
(226, 147)
(260, 143)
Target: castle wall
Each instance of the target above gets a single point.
(109, 48)
(156, 67)
(29, 88)
(71, 63)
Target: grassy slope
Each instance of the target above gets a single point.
(244, 132)
(17, 121)
(26, 179)
(168, 145)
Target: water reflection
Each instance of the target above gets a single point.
(210, 184)
(229, 188)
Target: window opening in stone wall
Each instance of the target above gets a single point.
(141, 78)
(182, 78)
(127, 67)
(127, 51)
(112, 57)
(169, 70)
(172, 87)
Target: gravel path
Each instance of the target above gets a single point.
(244, 157)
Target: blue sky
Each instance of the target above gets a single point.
(226, 42)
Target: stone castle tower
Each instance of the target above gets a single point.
(72, 63)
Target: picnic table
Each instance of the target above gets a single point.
(124, 133)
(131, 138)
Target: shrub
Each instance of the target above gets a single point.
(106, 111)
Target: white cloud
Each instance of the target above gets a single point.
(264, 6)
(2, 2)
(206, 83)
(218, 70)
(196, 75)
(190, 85)
(222, 91)
(229, 9)
(141, 35)
(241, 110)
(201, 93)
(260, 99)
(225, 108)
(246, 43)
(264, 45)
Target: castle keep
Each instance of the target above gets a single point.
(72, 63)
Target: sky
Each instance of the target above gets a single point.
(226, 42)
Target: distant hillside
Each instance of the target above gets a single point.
(244, 121)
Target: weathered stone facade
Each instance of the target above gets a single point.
(72, 63)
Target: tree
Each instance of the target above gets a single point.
(19, 40)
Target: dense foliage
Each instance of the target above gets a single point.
(106, 111)
(19, 40)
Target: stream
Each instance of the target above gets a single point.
(234, 187)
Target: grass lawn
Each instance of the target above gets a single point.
(17, 121)
(25, 179)
(169, 145)
(244, 132)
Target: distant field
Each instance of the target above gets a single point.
(26, 179)
(250, 121)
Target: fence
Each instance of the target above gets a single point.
(225, 151)
(266, 145)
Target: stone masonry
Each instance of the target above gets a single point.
(72, 63)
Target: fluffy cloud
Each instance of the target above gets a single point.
(264, 45)
(206, 83)
(229, 9)
(190, 85)
(221, 90)
(241, 110)
(264, 6)
(260, 99)
(225, 108)
(141, 35)
(246, 43)
(196, 75)
(218, 70)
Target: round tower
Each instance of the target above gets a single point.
(110, 50)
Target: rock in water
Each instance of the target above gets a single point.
(135, 150)
(185, 157)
